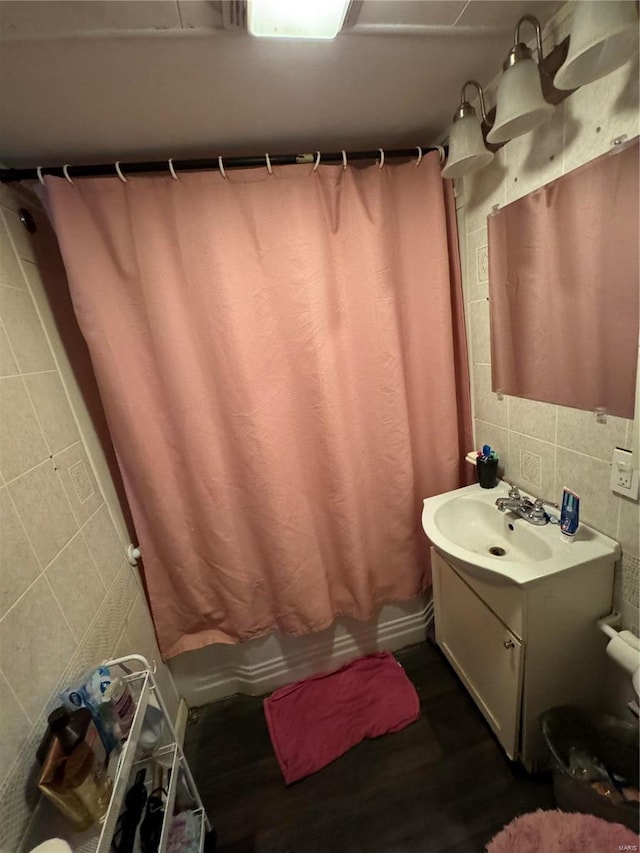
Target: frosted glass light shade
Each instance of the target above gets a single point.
(301, 19)
(604, 35)
(520, 105)
(467, 152)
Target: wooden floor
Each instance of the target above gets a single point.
(442, 785)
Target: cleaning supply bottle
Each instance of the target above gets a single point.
(118, 695)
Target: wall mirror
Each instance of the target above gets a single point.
(563, 288)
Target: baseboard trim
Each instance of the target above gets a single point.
(321, 656)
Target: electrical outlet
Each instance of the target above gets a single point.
(624, 478)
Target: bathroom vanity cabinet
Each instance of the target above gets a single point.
(521, 649)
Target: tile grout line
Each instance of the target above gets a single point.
(461, 13)
(68, 447)
(86, 542)
(33, 551)
(28, 290)
(15, 696)
(76, 514)
(29, 373)
(22, 594)
(37, 417)
(43, 265)
(12, 243)
(15, 190)
(619, 523)
(60, 608)
(86, 524)
(28, 471)
(50, 458)
(43, 568)
(25, 196)
(93, 514)
(121, 635)
(13, 287)
(62, 379)
(9, 344)
(107, 597)
(66, 673)
(552, 444)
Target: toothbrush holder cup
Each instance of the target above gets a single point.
(487, 473)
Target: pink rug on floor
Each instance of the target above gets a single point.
(561, 832)
(314, 721)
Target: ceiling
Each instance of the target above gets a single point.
(84, 82)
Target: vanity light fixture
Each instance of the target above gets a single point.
(520, 106)
(298, 19)
(604, 35)
(467, 151)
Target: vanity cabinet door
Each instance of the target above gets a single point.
(482, 650)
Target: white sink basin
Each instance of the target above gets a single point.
(467, 527)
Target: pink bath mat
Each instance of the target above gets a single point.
(314, 721)
(562, 832)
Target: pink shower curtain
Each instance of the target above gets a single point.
(283, 367)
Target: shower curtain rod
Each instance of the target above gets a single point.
(110, 169)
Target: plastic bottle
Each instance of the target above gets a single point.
(569, 515)
(71, 729)
(122, 703)
(74, 775)
(85, 778)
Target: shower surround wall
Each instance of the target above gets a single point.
(68, 597)
(545, 447)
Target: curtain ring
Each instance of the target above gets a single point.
(65, 172)
(172, 170)
(381, 163)
(317, 163)
(40, 178)
(442, 152)
(269, 169)
(221, 168)
(344, 159)
(119, 173)
(419, 155)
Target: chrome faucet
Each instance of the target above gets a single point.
(531, 510)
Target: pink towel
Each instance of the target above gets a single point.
(314, 721)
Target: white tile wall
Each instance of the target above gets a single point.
(55, 415)
(19, 563)
(26, 336)
(68, 597)
(545, 447)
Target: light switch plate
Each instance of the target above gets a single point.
(624, 477)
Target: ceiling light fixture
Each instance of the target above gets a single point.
(520, 106)
(604, 35)
(467, 152)
(297, 19)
